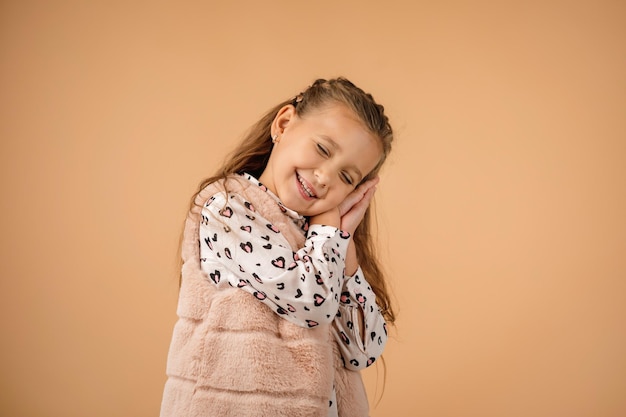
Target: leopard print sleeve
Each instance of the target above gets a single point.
(360, 343)
(240, 248)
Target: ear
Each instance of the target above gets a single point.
(285, 115)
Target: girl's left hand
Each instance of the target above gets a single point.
(353, 208)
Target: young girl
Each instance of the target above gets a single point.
(282, 301)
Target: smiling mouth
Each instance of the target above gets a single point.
(305, 188)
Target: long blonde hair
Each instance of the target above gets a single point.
(252, 154)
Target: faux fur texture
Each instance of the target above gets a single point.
(231, 355)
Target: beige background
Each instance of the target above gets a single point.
(502, 210)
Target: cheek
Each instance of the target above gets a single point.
(338, 197)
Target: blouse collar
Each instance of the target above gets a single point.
(299, 220)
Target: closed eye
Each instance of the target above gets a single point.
(322, 150)
(347, 178)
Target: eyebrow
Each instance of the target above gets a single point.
(337, 147)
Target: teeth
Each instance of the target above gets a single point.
(308, 191)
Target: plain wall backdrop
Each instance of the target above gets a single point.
(502, 210)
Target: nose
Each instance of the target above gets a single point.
(322, 177)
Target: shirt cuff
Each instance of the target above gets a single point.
(320, 232)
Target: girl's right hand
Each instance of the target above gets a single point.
(352, 209)
(350, 212)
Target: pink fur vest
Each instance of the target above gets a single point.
(231, 355)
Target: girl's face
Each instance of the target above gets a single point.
(320, 158)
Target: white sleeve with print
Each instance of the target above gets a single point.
(359, 348)
(302, 286)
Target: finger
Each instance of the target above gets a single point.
(353, 217)
(361, 206)
(357, 195)
(368, 184)
(367, 198)
(351, 200)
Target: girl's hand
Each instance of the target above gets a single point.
(353, 208)
(329, 218)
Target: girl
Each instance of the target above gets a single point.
(282, 301)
